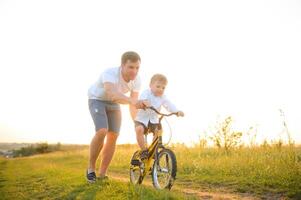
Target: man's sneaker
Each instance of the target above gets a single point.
(144, 155)
(91, 177)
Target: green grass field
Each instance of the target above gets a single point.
(60, 175)
(262, 173)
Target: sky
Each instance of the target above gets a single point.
(222, 58)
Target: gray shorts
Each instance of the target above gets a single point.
(105, 114)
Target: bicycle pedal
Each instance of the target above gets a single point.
(135, 162)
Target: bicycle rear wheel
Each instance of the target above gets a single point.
(164, 170)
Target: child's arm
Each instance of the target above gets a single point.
(170, 107)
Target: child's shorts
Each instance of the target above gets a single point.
(153, 128)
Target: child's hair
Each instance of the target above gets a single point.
(159, 77)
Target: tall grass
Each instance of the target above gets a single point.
(260, 170)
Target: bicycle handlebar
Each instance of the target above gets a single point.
(162, 114)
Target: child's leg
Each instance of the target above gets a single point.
(140, 136)
(154, 135)
(155, 129)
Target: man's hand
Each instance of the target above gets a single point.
(140, 104)
(180, 114)
(146, 103)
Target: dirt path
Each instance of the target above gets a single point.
(195, 191)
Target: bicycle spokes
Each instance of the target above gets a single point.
(136, 172)
(164, 170)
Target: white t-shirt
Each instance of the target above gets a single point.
(112, 75)
(144, 116)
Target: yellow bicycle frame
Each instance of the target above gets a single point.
(152, 149)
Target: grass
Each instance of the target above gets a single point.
(60, 175)
(261, 171)
(257, 170)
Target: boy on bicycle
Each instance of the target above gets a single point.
(147, 118)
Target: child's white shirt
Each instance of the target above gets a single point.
(148, 115)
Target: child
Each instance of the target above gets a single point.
(148, 119)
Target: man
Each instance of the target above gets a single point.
(104, 99)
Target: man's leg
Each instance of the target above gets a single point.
(96, 146)
(107, 152)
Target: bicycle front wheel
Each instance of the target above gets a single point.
(164, 170)
(136, 173)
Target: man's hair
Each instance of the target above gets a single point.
(130, 55)
(159, 77)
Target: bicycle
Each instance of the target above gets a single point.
(161, 161)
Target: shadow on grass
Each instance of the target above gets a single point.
(86, 190)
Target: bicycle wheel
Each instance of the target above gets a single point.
(164, 170)
(135, 170)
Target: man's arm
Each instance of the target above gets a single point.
(133, 109)
(114, 95)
